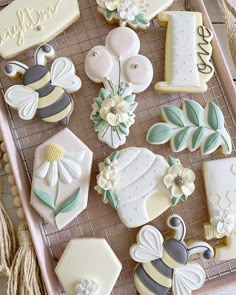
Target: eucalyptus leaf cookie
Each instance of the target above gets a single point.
(192, 127)
(141, 185)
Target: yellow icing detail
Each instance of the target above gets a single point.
(141, 288)
(169, 261)
(40, 83)
(156, 275)
(209, 231)
(54, 152)
(61, 115)
(51, 98)
(226, 249)
(156, 204)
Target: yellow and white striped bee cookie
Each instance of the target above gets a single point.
(165, 264)
(43, 92)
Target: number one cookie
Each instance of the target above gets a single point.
(188, 52)
(123, 72)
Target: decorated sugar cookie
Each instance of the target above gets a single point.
(135, 13)
(165, 264)
(220, 184)
(188, 53)
(61, 177)
(26, 24)
(88, 267)
(141, 185)
(192, 127)
(44, 92)
(123, 72)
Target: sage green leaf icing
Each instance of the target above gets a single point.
(98, 101)
(193, 111)
(135, 21)
(174, 201)
(44, 198)
(70, 203)
(212, 142)
(171, 160)
(111, 198)
(100, 124)
(184, 197)
(114, 156)
(133, 106)
(104, 93)
(104, 196)
(141, 18)
(181, 138)
(130, 98)
(198, 137)
(159, 133)
(215, 116)
(123, 129)
(109, 14)
(174, 115)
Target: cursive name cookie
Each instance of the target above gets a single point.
(135, 13)
(123, 72)
(25, 24)
(188, 52)
(165, 264)
(61, 176)
(192, 127)
(220, 184)
(141, 185)
(44, 92)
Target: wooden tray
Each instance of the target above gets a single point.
(100, 220)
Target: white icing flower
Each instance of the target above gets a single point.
(127, 10)
(115, 110)
(180, 180)
(108, 175)
(59, 165)
(86, 287)
(109, 4)
(223, 222)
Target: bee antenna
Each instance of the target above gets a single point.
(14, 67)
(176, 223)
(43, 53)
(201, 248)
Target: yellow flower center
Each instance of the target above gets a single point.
(54, 152)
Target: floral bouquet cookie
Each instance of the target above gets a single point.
(141, 185)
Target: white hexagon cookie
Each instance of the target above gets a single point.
(88, 266)
(61, 177)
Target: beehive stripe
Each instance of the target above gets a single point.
(40, 83)
(60, 116)
(51, 98)
(156, 275)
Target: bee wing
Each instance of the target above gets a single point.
(63, 75)
(23, 99)
(188, 278)
(149, 245)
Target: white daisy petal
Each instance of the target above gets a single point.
(52, 175)
(42, 171)
(169, 180)
(188, 188)
(75, 156)
(72, 167)
(176, 192)
(64, 174)
(188, 175)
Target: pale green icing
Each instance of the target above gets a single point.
(181, 138)
(160, 133)
(173, 115)
(44, 198)
(70, 203)
(212, 142)
(215, 117)
(194, 112)
(198, 137)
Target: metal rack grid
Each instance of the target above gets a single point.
(100, 220)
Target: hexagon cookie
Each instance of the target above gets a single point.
(61, 177)
(88, 266)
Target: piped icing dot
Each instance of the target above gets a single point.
(54, 152)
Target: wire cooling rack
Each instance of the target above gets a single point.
(99, 220)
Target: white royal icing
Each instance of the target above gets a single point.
(86, 287)
(184, 53)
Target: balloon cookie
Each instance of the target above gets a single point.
(134, 13)
(165, 264)
(44, 92)
(123, 72)
(220, 184)
(141, 185)
(26, 24)
(192, 127)
(188, 52)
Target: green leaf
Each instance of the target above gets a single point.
(130, 98)
(104, 196)
(174, 115)
(69, 204)
(114, 156)
(171, 160)
(159, 133)
(181, 138)
(112, 198)
(99, 125)
(109, 13)
(141, 18)
(212, 143)
(174, 201)
(133, 106)
(44, 197)
(198, 137)
(98, 101)
(184, 197)
(135, 21)
(124, 129)
(193, 110)
(215, 116)
(104, 93)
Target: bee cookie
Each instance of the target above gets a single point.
(136, 14)
(88, 267)
(61, 177)
(188, 52)
(192, 127)
(44, 92)
(123, 72)
(141, 185)
(164, 264)
(220, 184)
